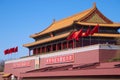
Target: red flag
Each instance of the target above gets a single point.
(78, 34)
(6, 51)
(71, 35)
(94, 30)
(16, 49)
(87, 32)
(83, 34)
(75, 35)
(11, 50)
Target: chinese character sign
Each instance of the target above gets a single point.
(22, 64)
(60, 59)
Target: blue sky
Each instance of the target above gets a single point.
(21, 18)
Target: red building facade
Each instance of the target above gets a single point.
(89, 57)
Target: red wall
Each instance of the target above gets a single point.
(99, 55)
(87, 57)
(80, 58)
(106, 55)
(1, 74)
(83, 57)
(9, 68)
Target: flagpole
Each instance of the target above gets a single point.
(94, 30)
(82, 41)
(98, 36)
(11, 56)
(75, 43)
(90, 36)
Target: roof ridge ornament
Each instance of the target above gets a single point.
(54, 20)
(94, 4)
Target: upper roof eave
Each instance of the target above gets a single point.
(39, 34)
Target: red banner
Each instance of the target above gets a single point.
(60, 59)
(11, 50)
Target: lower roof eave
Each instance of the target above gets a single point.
(46, 40)
(106, 35)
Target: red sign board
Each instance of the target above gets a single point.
(60, 59)
(21, 64)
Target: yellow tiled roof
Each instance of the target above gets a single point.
(47, 40)
(1, 73)
(70, 20)
(6, 75)
(106, 35)
(65, 22)
(101, 25)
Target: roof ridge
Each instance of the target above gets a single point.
(73, 15)
(92, 10)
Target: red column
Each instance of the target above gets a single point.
(40, 49)
(61, 45)
(67, 44)
(51, 48)
(36, 50)
(45, 48)
(73, 44)
(56, 47)
(29, 52)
